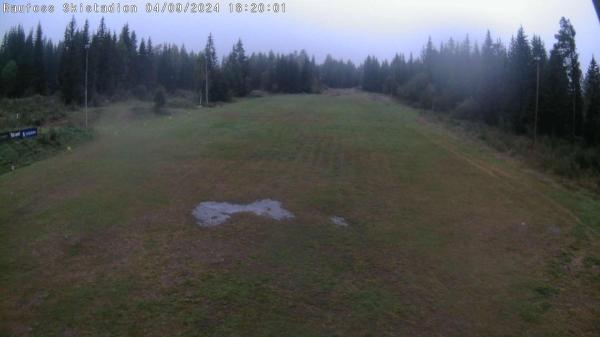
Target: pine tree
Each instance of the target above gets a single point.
(491, 93)
(371, 75)
(13, 62)
(554, 121)
(236, 69)
(26, 78)
(70, 65)
(217, 85)
(51, 66)
(39, 71)
(143, 63)
(565, 45)
(210, 54)
(522, 79)
(306, 73)
(592, 103)
(150, 71)
(126, 58)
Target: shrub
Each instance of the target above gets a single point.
(29, 111)
(413, 90)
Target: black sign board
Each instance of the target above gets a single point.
(19, 134)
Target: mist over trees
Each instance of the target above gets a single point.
(494, 83)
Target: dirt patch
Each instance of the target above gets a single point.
(210, 213)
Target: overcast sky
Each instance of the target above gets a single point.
(349, 29)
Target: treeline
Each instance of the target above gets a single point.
(492, 83)
(120, 63)
(497, 84)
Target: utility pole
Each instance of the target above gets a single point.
(537, 100)
(87, 48)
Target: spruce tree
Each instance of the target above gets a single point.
(217, 85)
(70, 64)
(39, 80)
(490, 93)
(242, 61)
(210, 54)
(236, 69)
(521, 77)
(554, 120)
(565, 45)
(592, 104)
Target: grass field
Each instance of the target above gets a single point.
(446, 237)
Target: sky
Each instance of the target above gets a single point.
(348, 29)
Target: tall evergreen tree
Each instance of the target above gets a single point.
(70, 64)
(51, 65)
(554, 119)
(217, 87)
(236, 69)
(522, 84)
(39, 80)
(490, 93)
(26, 79)
(592, 103)
(371, 80)
(565, 45)
(210, 54)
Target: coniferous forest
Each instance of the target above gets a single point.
(492, 82)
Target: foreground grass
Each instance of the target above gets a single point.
(445, 237)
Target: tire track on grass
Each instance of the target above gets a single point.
(499, 174)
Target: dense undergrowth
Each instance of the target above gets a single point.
(569, 160)
(58, 130)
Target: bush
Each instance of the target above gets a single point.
(418, 89)
(29, 111)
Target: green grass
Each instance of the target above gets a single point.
(446, 237)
